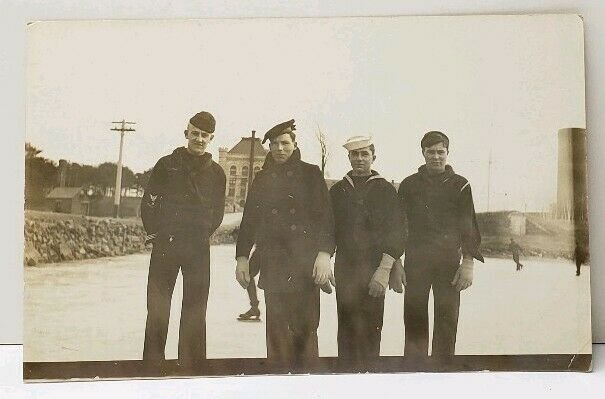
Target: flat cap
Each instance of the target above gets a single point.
(357, 142)
(203, 121)
(279, 129)
(433, 137)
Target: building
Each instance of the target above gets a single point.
(77, 200)
(502, 223)
(517, 223)
(236, 164)
(65, 200)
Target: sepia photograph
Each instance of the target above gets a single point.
(253, 196)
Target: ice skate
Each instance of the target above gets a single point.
(253, 314)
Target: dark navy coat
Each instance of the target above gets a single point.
(289, 218)
(185, 195)
(442, 224)
(369, 221)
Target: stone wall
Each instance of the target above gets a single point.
(53, 237)
(50, 239)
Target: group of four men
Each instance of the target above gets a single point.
(291, 227)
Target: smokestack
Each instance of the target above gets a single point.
(571, 176)
(62, 172)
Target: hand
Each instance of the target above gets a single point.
(327, 288)
(464, 275)
(380, 280)
(322, 271)
(242, 271)
(397, 278)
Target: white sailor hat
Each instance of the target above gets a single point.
(357, 142)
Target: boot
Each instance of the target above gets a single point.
(253, 314)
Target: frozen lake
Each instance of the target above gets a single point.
(96, 310)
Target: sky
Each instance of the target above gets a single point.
(499, 86)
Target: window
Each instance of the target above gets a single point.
(231, 186)
(232, 170)
(242, 187)
(245, 171)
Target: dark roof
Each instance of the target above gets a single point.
(64, 192)
(243, 147)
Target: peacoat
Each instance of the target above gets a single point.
(289, 218)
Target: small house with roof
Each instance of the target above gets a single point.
(65, 200)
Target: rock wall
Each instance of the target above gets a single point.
(52, 237)
(49, 240)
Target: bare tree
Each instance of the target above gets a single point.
(325, 154)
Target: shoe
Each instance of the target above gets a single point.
(251, 315)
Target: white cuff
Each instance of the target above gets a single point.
(386, 262)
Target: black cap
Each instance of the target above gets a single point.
(203, 121)
(434, 137)
(279, 129)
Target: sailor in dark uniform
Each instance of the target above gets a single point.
(443, 239)
(182, 206)
(370, 235)
(288, 218)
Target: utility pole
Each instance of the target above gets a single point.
(118, 191)
(251, 165)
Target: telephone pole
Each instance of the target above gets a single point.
(118, 191)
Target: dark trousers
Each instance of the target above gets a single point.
(291, 329)
(192, 257)
(420, 278)
(252, 295)
(360, 319)
(578, 267)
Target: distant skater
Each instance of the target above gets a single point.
(516, 250)
(579, 257)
